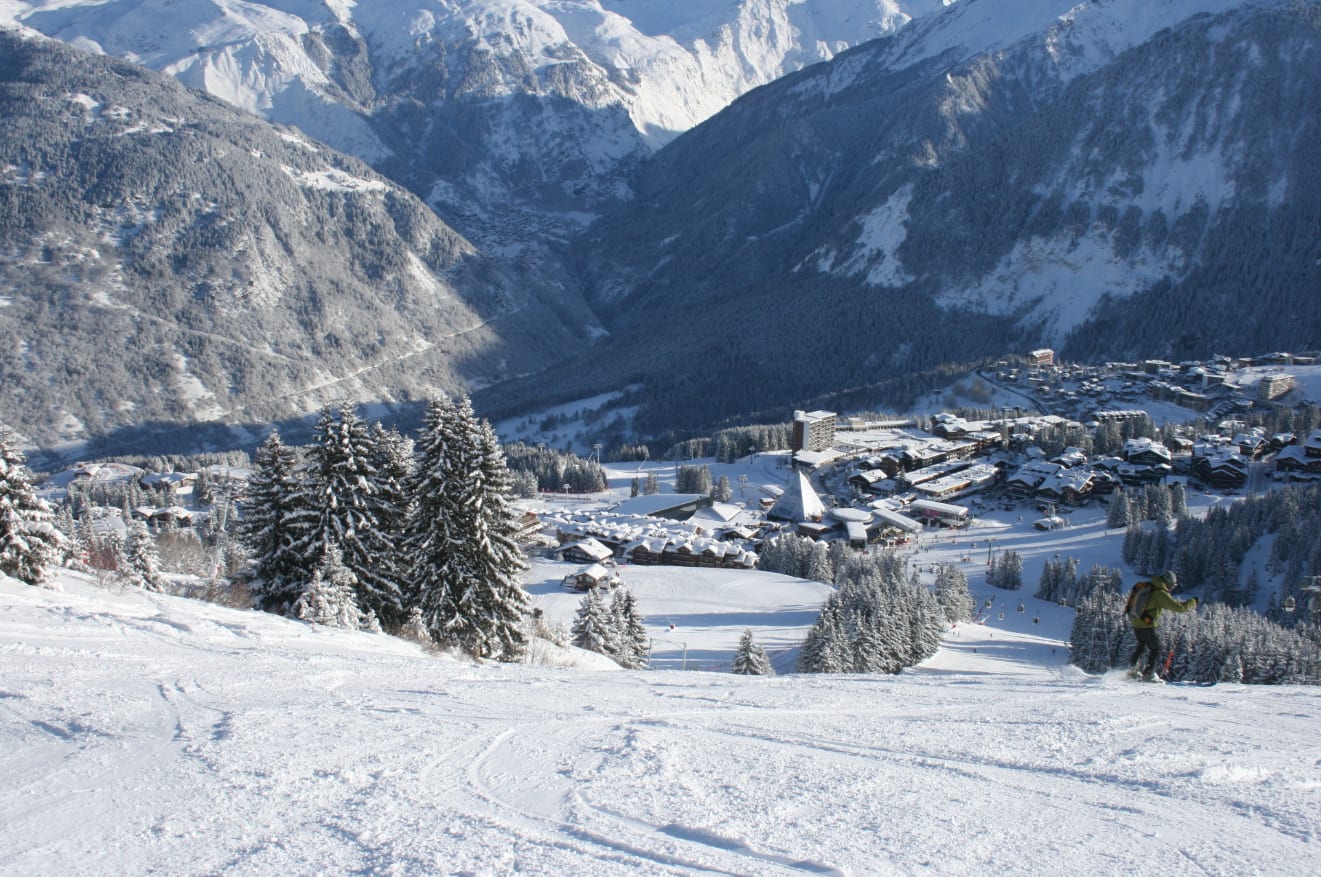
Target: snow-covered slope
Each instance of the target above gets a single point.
(148, 734)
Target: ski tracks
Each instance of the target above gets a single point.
(543, 781)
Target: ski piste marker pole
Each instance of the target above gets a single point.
(1169, 659)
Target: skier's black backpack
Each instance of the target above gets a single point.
(1136, 608)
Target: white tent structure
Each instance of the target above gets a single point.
(799, 502)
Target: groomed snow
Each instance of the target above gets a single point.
(143, 733)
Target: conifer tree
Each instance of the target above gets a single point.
(593, 626)
(330, 597)
(751, 659)
(466, 564)
(1116, 515)
(953, 595)
(141, 563)
(268, 528)
(630, 634)
(30, 545)
(341, 503)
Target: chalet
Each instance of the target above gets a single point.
(170, 516)
(527, 527)
(169, 483)
(1030, 476)
(1134, 474)
(1221, 467)
(1042, 356)
(1071, 457)
(690, 552)
(584, 551)
(1068, 487)
(591, 576)
(1251, 446)
(1312, 447)
(872, 481)
(1293, 463)
(1146, 452)
(1104, 482)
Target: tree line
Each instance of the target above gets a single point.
(878, 619)
(368, 528)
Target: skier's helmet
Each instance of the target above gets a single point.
(1171, 580)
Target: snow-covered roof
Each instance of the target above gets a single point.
(895, 519)
(654, 503)
(589, 546)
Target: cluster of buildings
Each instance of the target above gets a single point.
(1218, 386)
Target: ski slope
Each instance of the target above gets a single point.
(144, 733)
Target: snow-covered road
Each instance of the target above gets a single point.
(149, 734)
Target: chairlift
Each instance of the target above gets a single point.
(1002, 616)
(1289, 604)
(987, 604)
(1036, 619)
(1022, 608)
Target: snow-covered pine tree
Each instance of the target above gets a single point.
(330, 597)
(1007, 570)
(750, 659)
(268, 527)
(953, 595)
(1116, 515)
(630, 633)
(393, 461)
(869, 654)
(340, 492)
(141, 566)
(30, 545)
(593, 626)
(927, 624)
(466, 564)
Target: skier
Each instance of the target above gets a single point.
(1144, 626)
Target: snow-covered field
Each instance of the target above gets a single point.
(143, 733)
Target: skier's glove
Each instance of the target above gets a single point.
(1193, 602)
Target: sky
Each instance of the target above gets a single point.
(144, 733)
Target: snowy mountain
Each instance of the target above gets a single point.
(151, 734)
(170, 262)
(514, 119)
(1114, 179)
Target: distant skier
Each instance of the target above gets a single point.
(1146, 602)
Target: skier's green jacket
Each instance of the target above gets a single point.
(1158, 601)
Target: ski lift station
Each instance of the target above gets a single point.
(941, 513)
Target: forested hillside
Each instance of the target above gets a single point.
(169, 261)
